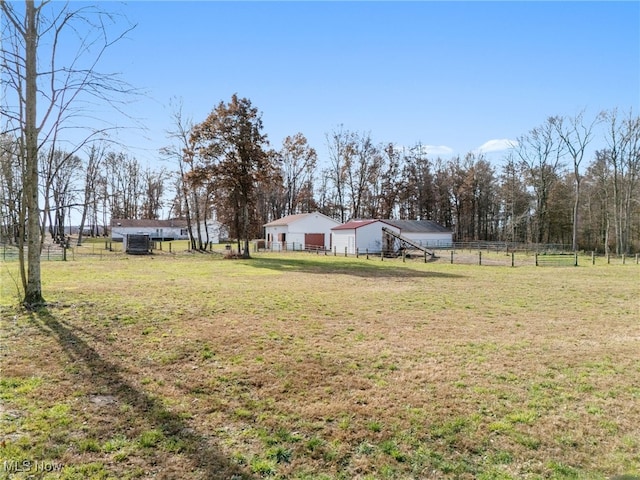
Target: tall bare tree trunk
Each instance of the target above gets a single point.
(32, 288)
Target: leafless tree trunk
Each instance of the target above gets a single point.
(338, 143)
(181, 152)
(576, 137)
(540, 152)
(298, 164)
(91, 179)
(623, 154)
(29, 36)
(10, 190)
(362, 164)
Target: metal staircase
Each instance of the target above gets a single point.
(406, 241)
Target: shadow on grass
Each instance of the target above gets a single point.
(373, 267)
(210, 463)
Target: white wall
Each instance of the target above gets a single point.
(295, 232)
(370, 237)
(118, 233)
(344, 239)
(213, 228)
(364, 238)
(430, 239)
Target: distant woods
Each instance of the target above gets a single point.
(548, 188)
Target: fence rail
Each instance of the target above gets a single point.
(513, 257)
(470, 253)
(10, 253)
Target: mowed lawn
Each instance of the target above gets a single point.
(302, 366)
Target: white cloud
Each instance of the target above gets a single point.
(437, 150)
(497, 145)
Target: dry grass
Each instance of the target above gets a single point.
(303, 367)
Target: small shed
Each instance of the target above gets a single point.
(305, 231)
(137, 244)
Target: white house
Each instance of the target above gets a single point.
(156, 229)
(212, 231)
(305, 231)
(367, 235)
(163, 230)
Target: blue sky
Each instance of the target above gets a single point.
(449, 75)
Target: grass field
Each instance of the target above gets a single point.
(300, 366)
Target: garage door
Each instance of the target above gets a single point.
(313, 241)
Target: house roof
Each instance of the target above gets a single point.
(418, 226)
(147, 223)
(405, 226)
(289, 219)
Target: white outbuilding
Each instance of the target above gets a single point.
(368, 235)
(304, 231)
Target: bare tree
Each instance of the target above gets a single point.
(540, 152)
(152, 192)
(182, 151)
(89, 203)
(340, 149)
(389, 192)
(515, 202)
(10, 191)
(417, 190)
(362, 164)
(598, 204)
(623, 154)
(298, 165)
(576, 135)
(42, 97)
(59, 174)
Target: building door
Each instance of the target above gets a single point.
(314, 241)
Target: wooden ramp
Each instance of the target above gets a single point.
(407, 241)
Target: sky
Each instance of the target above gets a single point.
(455, 77)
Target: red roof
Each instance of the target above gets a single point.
(353, 224)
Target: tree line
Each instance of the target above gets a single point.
(544, 190)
